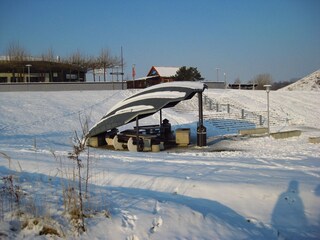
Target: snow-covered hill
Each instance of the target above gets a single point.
(308, 83)
(238, 188)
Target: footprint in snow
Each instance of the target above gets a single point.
(156, 208)
(128, 220)
(132, 237)
(156, 224)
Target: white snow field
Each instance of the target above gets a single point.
(236, 188)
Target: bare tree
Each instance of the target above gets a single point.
(92, 64)
(105, 60)
(15, 52)
(78, 59)
(262, 79)
(237, 81)
(48, 56)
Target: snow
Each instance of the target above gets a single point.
(166, 71)
(308, 83)
(186, 84)
(160, 94)
(163, 94)
(135, 109)
(236, 188)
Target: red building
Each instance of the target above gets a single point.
(155, 76)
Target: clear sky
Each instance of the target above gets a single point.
(242, 38)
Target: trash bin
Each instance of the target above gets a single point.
(165, 129)
(183, 136)
(201, 136)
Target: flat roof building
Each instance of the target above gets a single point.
(25, 71)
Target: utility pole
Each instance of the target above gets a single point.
(121, 68)
(268, 106)
(217, 74)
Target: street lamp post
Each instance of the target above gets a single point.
(28, 66)
(268, 106)
(217, 74)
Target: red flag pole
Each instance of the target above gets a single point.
(133, 73)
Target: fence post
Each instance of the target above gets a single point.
(210, 104)
(242, 113)
(228, 108)
(217, 107)
(260, 120)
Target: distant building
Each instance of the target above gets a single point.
(215, 85)
(12, 71)
(245, 86)
(155, 76)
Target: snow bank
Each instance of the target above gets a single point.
(308, 83)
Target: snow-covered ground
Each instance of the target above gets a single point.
(236, 188)
(307, 83)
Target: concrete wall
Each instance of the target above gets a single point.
(314, 139)
(253, 131)
(286, 134)
(62, 86)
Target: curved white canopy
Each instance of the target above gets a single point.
(146, 103)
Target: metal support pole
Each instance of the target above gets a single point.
(217, 107)
(200, 108)
(242, 113)
(201, 130)
(228, 108)
(137, 134)
(137, 126)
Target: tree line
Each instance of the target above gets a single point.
(266, 79)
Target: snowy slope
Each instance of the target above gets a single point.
(286, 108)
(308, 83)
(238, 188)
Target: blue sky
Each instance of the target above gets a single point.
(242, 38)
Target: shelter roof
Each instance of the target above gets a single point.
(146, 103)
